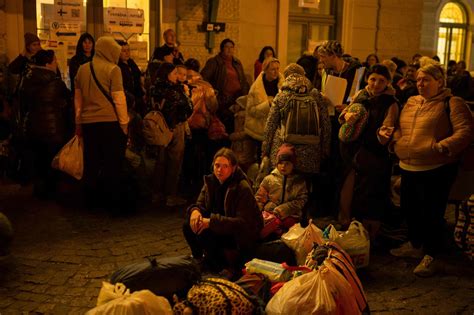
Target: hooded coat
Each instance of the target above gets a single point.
(309, 156)
(258, 107)
(91, 104)
(241, 217)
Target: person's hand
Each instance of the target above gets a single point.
(124, 128)
(440, 148)
(385, 133)
(78, 130)
(340, 107)
(195, 221)
(204, 224)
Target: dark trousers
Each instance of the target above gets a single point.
(44, 176)
(423, 199)
(104, 155)
(216, 248)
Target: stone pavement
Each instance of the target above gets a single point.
(61, 255)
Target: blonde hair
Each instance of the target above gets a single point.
(432, 68)
(268, 61)
(391, 66)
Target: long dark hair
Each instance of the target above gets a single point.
(164, 69)
(80, 49)
(261, 57)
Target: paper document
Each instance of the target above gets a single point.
(334, 89)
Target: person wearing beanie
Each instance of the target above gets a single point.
(32, 46)
(282, 193)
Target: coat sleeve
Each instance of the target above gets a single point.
(246, 213)
(294, 206)
(271, 125)
(258, 105)
(262, 194)
(463, 127)
(208, 73)
(325, 126)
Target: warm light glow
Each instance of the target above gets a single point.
(452, 13)
(451, 35)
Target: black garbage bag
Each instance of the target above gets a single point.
(162, 276)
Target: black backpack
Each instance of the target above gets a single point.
(163, 276)
(300, 120)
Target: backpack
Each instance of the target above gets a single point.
(300, 123)
(155, 129)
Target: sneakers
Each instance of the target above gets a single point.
(427, 267)
(407, 250)
(174, 201)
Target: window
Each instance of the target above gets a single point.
(452, 31)
(306, 27)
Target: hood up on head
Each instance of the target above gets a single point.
(107, 48)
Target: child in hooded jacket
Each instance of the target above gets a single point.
(282, 193)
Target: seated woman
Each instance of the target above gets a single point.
(224, 224)
(283, 193)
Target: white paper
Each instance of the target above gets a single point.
(334, 90)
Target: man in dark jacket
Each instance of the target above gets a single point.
(225, 222)
(49, 119)
(169, 51)
(226, 74)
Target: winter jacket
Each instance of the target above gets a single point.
(91, 104)
(425, 122)
(241, 218)
(204, 102)
(177, 106)
(258, 107)
(131, 77)
(76, 61)
(214, 72)
(270, 192)
(49, 117)
(309, 156)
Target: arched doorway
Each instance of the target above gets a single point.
(453, 26)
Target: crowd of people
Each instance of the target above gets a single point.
(279, 148)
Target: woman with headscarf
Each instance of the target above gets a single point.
(84, 53)
(170, 98)
(435, 128)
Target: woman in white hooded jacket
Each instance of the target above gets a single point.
(260, 98)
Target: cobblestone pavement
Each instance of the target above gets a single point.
(61, 255)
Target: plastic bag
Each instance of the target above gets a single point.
(301, 240)
(70, 159)
(356, 243)
(322, 291)
(273, 271)
(117, 300)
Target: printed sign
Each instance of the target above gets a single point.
(66, 32)
(123, 20)
(68, 10)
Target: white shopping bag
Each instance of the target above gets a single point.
(70, 159)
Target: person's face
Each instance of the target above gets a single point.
(285, 167)
(268, 53)
(411, 73)
(377, 83)
(320, 68)
(125, 53)
(182, 74)
(173, 76)
(272, 71)
(34, 47)
(228, 50)
(329, 61)
(170, 38)
(371, 61)
(223, 168)
(87, 46)
(427, 85)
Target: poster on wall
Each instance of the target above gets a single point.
(68, 10)
(123, 20)
(66, 32)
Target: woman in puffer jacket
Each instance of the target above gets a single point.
(435, 128)
(49, 120)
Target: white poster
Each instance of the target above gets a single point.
(65, 32)
(68, 10)
(334, 90)
(123, 20)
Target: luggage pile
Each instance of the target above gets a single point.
(308, 271)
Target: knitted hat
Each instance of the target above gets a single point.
(286, 153)
(352, 128)
(30, 38)
(293, 68)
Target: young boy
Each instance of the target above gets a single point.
(282, 193)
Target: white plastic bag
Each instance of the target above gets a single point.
(302, 240)
(322, 291)
(70, 159)
(272, 270)
(356, 243)
(117, 300)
